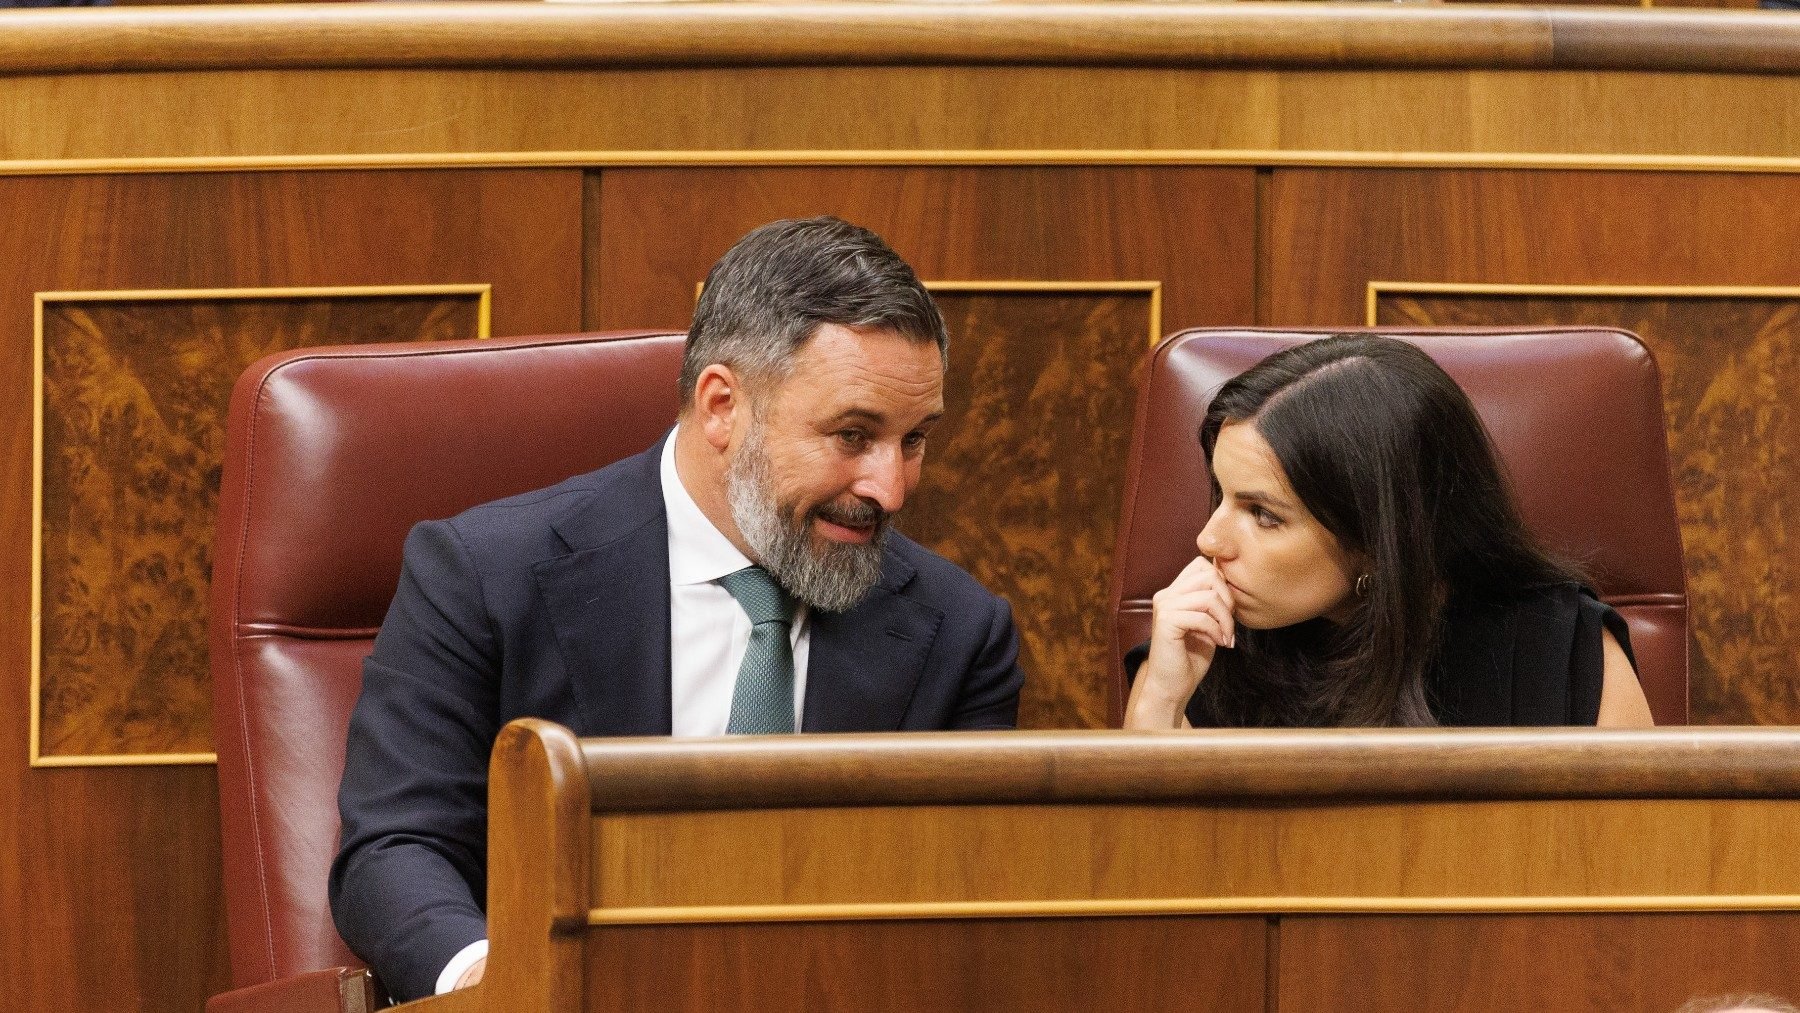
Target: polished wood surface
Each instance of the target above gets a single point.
(1052, 281)
(906, 114)
(112, 887)
(347, 85)
(1049, 482)
(1125, 33)
(134, 391)
(538, 869)
(1115, 964)
(1646, 963)
(942, 768)
(1272, 854)
(763, 898)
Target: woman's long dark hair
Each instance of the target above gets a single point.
(1388, 454)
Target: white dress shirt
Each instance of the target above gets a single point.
(708, 631)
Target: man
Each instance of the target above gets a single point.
(741, 576)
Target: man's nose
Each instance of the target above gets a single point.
(883, 478)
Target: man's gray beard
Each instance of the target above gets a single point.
(833, 578)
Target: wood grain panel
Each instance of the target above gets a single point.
(1044, 383)
(134, 393)
(1645, 963)
(1734, 440)
(1059, 964)
(1242, 115)
(113, 879)
(1024, 489)
(1328, 234)
(1406, 851)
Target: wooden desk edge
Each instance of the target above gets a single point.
(316, 36)
(1243, 767)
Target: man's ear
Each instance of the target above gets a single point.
(718, 404)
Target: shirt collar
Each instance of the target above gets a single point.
(698, 551)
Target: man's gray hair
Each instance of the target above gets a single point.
(770, 292)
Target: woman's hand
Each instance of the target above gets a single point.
(1190, 619)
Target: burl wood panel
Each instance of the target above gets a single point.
(1024, 490)
(1628, 963)
(135, 394)
(1119, 964)
(111, 885)
(1044, 386)
(1727, 365)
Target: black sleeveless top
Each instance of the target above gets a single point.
(1534, 659)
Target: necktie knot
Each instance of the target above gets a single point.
(762, 599)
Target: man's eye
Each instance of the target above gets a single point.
(914, 441)
(853, 439)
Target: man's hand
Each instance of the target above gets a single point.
(473, 974)
(1190, 619)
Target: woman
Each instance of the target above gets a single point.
(1364, 565)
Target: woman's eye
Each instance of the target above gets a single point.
(1264, 518)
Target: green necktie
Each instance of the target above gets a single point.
(763, 701)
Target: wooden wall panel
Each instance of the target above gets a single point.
(1114, 964)
(134, 396)
(1622, 963)
(111, 888)
(1327, 234)
(1549, 854)
(1063, 369)
(1048, 516)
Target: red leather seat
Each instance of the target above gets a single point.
(1576, 414)
(332, 455)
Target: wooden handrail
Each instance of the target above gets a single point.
(1239, 765)
(646, 34)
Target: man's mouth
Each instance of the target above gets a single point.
(855, 524)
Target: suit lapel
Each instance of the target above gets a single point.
(863, 665)
(608, 601)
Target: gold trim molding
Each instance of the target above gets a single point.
(484, 316)
(1377, 289)
(737, 914)
(1273, 158)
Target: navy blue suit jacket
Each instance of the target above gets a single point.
(555, 604)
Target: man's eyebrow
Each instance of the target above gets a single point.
(870, 416)
(874, 418)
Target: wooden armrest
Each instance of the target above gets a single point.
(334, 990)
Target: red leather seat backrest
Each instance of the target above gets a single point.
(332, 455)
(1576, 414)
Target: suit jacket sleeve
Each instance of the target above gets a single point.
(990, 697)
(409, 883)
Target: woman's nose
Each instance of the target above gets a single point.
(1209, 542)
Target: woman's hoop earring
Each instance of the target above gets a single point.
(1362, 585)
